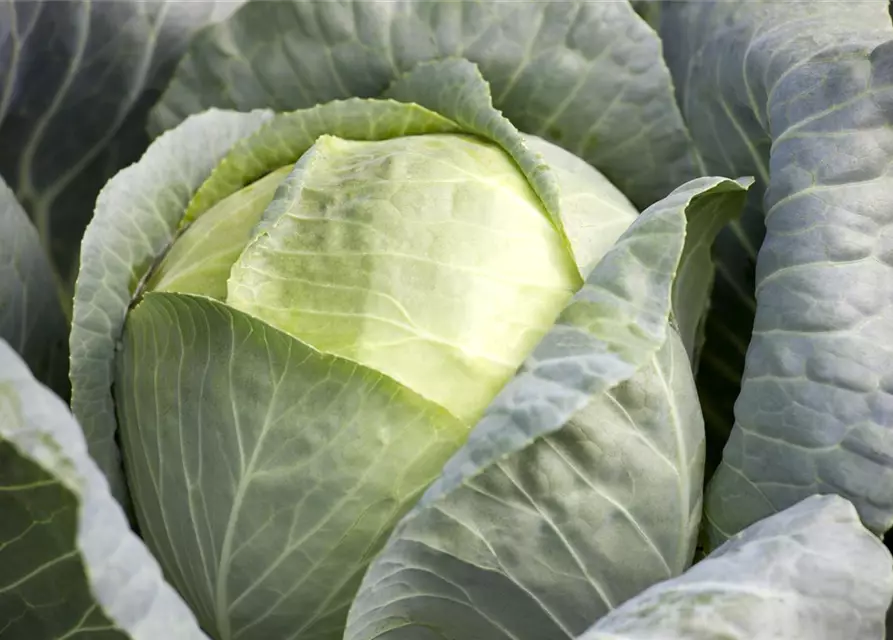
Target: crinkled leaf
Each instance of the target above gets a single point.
(31, 317)
(266, 475)
(810, 572)
(77, 79)
(137, 214)
(814, 81)
(581, 486)
(586, 75)
(69, 564)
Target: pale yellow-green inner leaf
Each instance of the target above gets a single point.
(200, 260)
(428, 258)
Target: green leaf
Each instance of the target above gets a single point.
(137, 214)
(801, 95)
(581, 486)
(77, 79)
(588, 76)
(810, 572)
(31, 317)
(266, 475)
(69, 564)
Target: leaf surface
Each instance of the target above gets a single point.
(69, 564)
(137, 214)
(31, 317)
(800, 95)
(810, 572)
(265, 474)
(77, 79)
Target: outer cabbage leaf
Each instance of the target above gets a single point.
(810, 572)
(31, 317)
(76, 81)
(581, 485)
(814, 81)
(588, 76)
(265, 475)
(136, 217)
(69, 564)
(695, 278)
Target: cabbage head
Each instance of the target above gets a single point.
(352, 308)
(338, 302)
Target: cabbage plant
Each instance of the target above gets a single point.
(407, 322)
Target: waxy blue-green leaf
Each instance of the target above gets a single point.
(31, 316)
(810, 572)
(588, 76)
(581, 485)
(77, 79)
(814, 81)
(71, 567)
(137, 214)
(265, 474)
